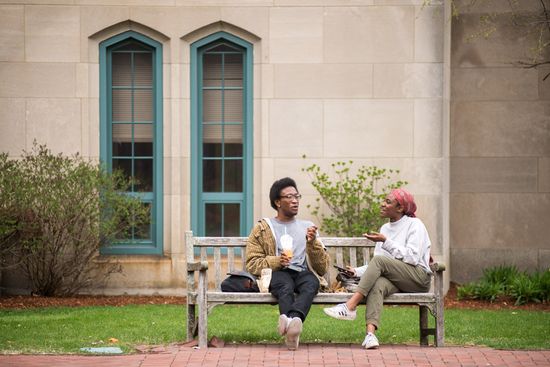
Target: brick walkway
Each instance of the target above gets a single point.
(331, 355)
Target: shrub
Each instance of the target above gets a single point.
(507, 281)
(57, 213)
(482, 290)
(10, 225)
(502, 275)
(353, 201)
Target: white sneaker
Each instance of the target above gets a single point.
(292, 338)
(341, 312)
(370, 342)
(283, 324)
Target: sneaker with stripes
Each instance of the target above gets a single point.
(341, 312)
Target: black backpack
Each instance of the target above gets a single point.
(240, 281)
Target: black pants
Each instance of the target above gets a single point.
(295, 291)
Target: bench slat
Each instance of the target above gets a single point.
(230, 259)
(321, 298)
(218, 267)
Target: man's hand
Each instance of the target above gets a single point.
(375, 236)
(285, 260)
(311, 233)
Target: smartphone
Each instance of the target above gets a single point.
(343, 269)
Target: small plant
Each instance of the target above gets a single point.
(466, 291)
(55, 213)
(482, 290)
(507, 281)
(353, 200)
(502, 275)
(531, 288)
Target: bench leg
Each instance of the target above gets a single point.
(439, 325)
(191, 322)
(203, 311)
(424, 331)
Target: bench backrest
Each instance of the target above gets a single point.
(225, 254)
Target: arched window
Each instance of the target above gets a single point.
(221, 129)
(131, 129)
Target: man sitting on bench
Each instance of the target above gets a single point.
(289, 247)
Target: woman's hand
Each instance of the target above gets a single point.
(375, 237)
(351, 271)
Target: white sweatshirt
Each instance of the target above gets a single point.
(407, 240)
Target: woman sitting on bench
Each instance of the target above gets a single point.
(400, 263)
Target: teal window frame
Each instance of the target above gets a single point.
(200, 199)
(154, 245)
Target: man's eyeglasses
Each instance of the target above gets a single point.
(292, 196)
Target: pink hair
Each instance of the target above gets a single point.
(406, 200)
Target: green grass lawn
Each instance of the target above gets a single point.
(66, 330)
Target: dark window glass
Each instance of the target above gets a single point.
(122, 149)
(143, 149)
(212, 150)
(233, 150)
(143, 232)
(233, 175)
(212, 175)
(213, 220)
(124, 165)
(232, 215)
(144, 175)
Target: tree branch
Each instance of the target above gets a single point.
(545, 11)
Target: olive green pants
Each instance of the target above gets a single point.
(385, 276)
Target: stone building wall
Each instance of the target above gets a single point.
(499, 146)
(333, 80)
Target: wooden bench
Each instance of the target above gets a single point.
(218, 255)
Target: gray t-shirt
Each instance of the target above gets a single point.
(297, 230)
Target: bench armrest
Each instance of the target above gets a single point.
(197, 266)
(437, 267)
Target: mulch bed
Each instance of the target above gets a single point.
(22, 302)
(81, 300)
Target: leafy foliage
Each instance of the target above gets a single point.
(55, 213)
(502, 274)
(353, 200)
(11, 227)
(507, 281)
(531, 288)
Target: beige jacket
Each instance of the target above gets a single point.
(261, 253)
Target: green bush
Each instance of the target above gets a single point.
(55, 213)
(502, 275)
(10, 225)
(482, 290)
(531, 288)
(353, 200)
(507, 281)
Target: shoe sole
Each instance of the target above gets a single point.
(372, 347)
(293, 332)
(281, 327)
(339, 317)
